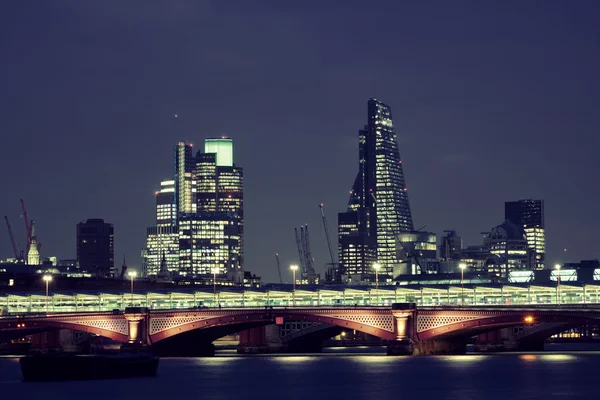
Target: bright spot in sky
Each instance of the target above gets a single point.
(176, 115)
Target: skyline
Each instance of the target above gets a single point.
(448, 118)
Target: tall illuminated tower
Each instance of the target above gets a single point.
(162, 239)
(199, 215)
(185, 190)
(33, 254)
(212, 237)
(378, 209)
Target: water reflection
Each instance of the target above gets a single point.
(528, 357)
(379, 360)
(291, 359)
(213, 361)
(557, 357)
(463, 359)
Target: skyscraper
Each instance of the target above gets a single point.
(220, 206)
(185, 185)
(162, 239)
(529, 214)
(378, 202)
(199, 222)
(95, 248)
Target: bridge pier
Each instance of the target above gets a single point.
(137, 324)
(404, 321)
(261, 340)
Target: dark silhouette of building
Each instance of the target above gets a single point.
(378, 208)
(529, 214)
(95, 248)
(451, 246)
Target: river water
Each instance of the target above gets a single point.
(363, 374)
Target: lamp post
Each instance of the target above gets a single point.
(462, 282)
(377, 267)
(557, 266)
(47, 279)
(132, 274)
(215, 271)
(294, 267)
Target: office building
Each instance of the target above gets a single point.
(95, 248)
(416, 253)
(162, 239)
(185, 185)
(166, 210)
(209, 242)
(161, 242)
(451, 246)
(508, 250)
(378, 202)
(220, 209)
(199, 223)
(529, 214)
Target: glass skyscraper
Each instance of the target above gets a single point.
(199, 215)
(378, 209)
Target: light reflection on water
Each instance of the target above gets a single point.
(557, 357)
(336, 376)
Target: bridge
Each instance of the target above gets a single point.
(405, 327)
(451, 294)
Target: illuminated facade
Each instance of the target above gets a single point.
(185, 184)
(95, 248)
(529, 214)
(199, 215)
(418, 249)
(209, 241)
(508, 250)
(162, 241)
(33, 254)
(220, 188)
(166, 210)
(223, 148)
(378, 197)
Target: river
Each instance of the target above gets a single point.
(363, 374)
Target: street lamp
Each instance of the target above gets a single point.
(557, 266)
(294, 267)
(215, 271)
(462, 282)
(47, 279)
(377, 267)
(132, 274)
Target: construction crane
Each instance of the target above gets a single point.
(309, 259)
(333, 272)
(278, 267)
(12, 238)
(300, 252)
(327, 235)
(27, 228)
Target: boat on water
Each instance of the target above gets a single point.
(55, 367)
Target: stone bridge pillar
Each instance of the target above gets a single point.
(137, 322)
(404, 320)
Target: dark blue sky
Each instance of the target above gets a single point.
(492, 101)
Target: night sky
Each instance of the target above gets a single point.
(492, 101)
